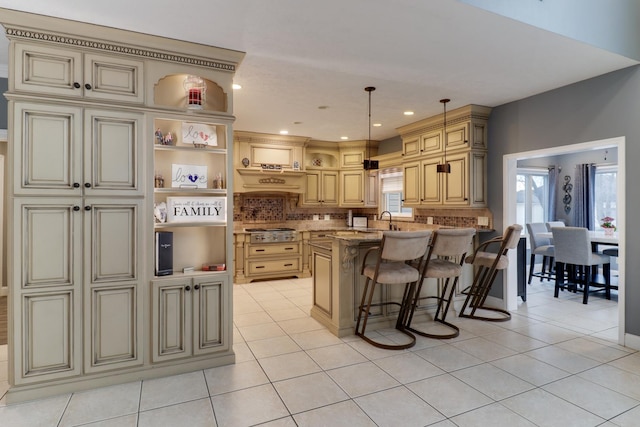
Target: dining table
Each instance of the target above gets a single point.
(597, 237)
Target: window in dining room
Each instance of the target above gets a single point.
(533, 196)
(605, 193)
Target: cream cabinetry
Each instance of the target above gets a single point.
(424, 148)
(322, 188)
(270, 260)
(73, 151)
(464, 186)
(189, 317)
(371, 189)
(74, 73)
(84, 103)
(352, 188)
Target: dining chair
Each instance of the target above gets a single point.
(540, 246)
(487, 265)
(443, 262)
(573, 250)
(391, 267)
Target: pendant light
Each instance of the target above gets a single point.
(446, 167)
(368, 163)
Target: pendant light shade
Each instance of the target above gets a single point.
(369, 164)
(444, 167)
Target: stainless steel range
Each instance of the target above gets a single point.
(269, 235)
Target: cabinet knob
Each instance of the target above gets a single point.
(76, 85)
(76, 185)
(87, 86)
(187, 288)
(87, 185)
(196, 287)
(87, 208)
(76, 208)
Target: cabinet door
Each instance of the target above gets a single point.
(371, 189)
(352, 190)
(411, 178)
(209, 305)
(329, 188)
(431, 181)
(457, 136)
(478, 177)
(171, 319)
(48, 157)
(352, 158)
(53, 71)
(456, 183)
(113, 265)
(312, 194)
(46, 282)
(431, 142)
(411, 146)
(113, 156)
(322, 281)
(115, 79)
(112, 336)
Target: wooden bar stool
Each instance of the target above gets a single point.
(444, 260)
(397, 249)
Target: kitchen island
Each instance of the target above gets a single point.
(338, 284)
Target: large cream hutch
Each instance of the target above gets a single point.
(85, 103)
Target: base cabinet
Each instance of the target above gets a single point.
(189, 317)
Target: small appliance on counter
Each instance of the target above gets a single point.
(360, 222)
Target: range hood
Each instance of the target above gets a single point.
(251, 180)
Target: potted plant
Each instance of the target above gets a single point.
(607, 224)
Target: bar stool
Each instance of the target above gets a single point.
(446, 248)
(396, 250)
(487, 265)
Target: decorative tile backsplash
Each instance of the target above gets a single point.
(282, 208)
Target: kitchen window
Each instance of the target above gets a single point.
(391, 189)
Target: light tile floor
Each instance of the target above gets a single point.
(555, 363)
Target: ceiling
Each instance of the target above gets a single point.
(303, 54)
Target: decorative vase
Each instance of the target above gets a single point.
(609, 231)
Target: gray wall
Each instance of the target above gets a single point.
(598, 108)
(3, 103)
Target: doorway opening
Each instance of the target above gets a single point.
(510, 166)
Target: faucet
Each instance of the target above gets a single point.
(380, 218)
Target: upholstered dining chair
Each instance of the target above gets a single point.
(487, 265)
(540, 246)
(444, 261)
(392, 267)
(573, 250)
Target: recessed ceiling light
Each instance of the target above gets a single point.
(236, 86)
(408, 113)
(344, 137)
(376, 125)
(284, 132)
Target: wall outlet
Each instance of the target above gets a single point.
(327, 217)
(316, 217)
(483, 220)
(429, 220)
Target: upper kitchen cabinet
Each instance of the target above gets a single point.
(264, 162)
(465, 139)
(54, 70)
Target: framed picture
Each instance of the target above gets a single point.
(199, 134)
(196, 209)
(188, 176)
